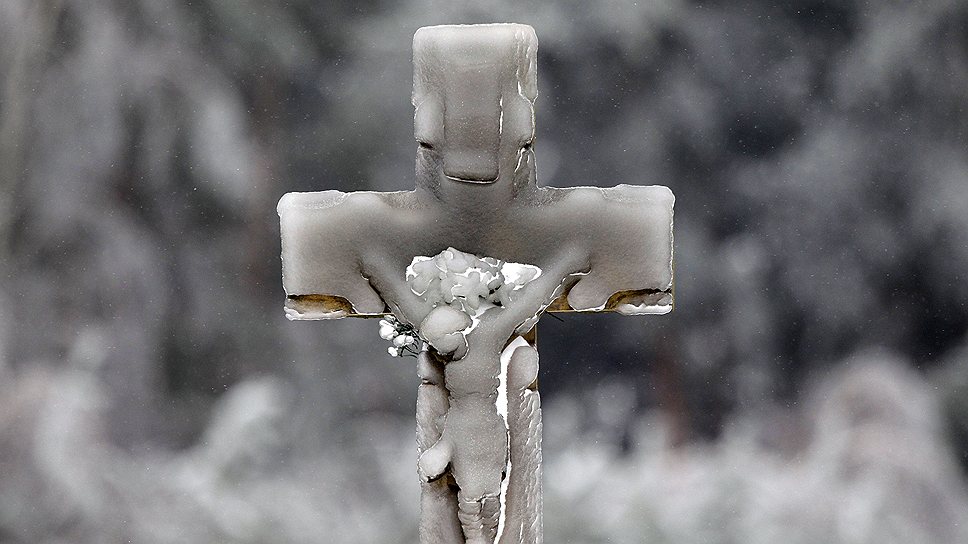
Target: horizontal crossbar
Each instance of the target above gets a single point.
(647, 301)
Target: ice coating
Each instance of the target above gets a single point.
(494, 64)
(588, 249)
(470, 283)
(476, 305)
(522, 520)
(622, 235)
(621, 245)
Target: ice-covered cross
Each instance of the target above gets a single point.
(466, 263)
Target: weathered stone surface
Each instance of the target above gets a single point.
(445, 260)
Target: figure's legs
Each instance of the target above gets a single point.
(474, 445)
(465, 445)
(479, 517)
(438, 498)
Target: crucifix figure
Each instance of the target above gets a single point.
(462, 267)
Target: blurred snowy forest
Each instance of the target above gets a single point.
(811, 386)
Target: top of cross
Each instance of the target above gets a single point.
(344, 254)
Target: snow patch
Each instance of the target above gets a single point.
(502, 409)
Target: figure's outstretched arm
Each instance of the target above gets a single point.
(562, 272)
(395, 291)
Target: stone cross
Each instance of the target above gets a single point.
(464, 265)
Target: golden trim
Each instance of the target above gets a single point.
(336, 306)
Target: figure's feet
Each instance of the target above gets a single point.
(479, 517)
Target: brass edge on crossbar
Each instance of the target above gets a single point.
(337, 306)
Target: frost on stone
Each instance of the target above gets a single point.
(489, 435)
(460, 287)
(474, 91)
(523, 408)
(475, 212)
(466, 282)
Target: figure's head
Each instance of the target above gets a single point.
(473, 89)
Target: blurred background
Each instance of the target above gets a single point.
(811, 386)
